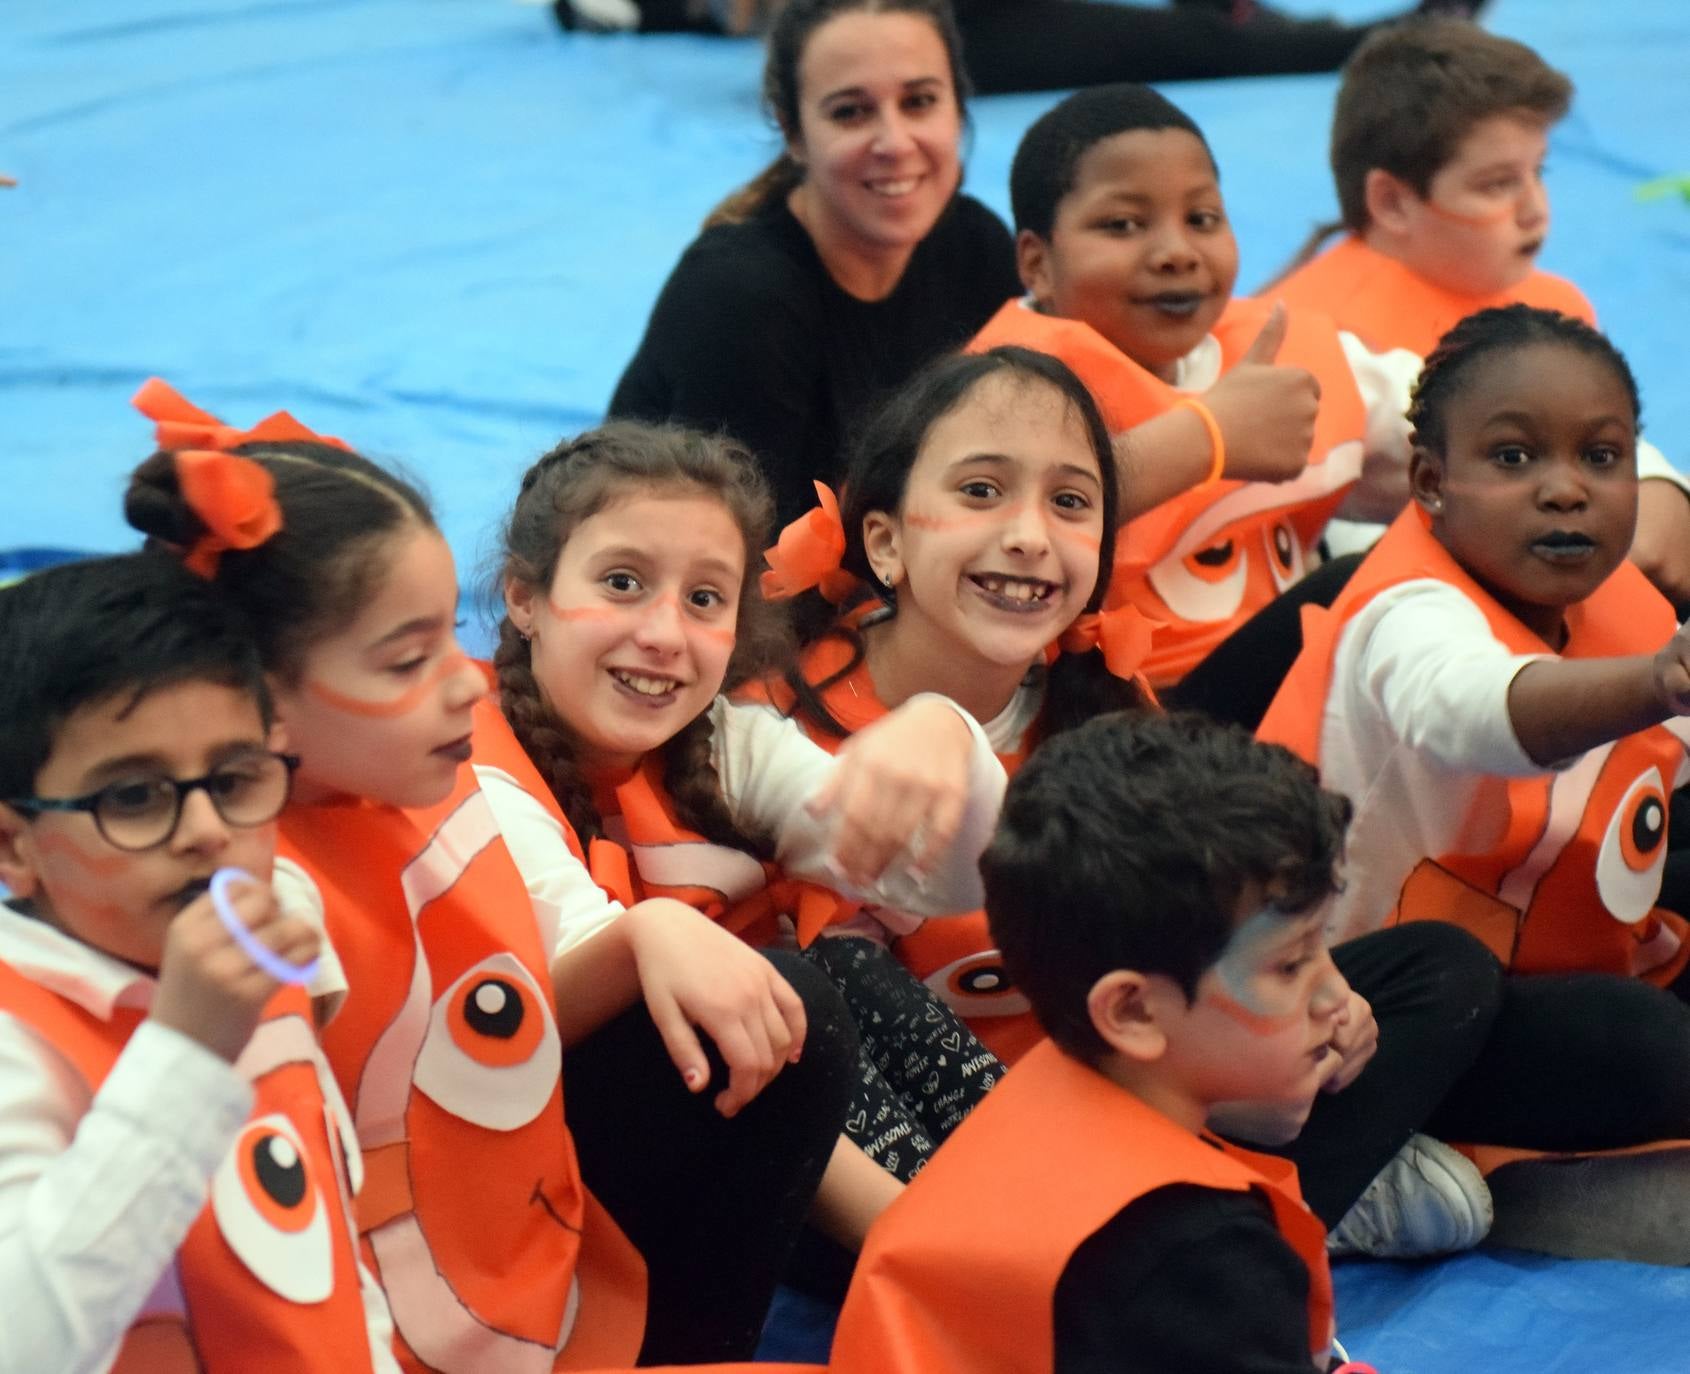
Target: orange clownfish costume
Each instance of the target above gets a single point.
(1563, 869)
(1387, 305)
(1204, 562)
(948, 1286)
(267, 1276)
(492, 1253)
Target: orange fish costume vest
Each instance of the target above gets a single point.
(267, 1273)
(955, 956)
(1206, 561)
(1572, 884)
(1387, 305)
(959, 1274)
(473, 1214)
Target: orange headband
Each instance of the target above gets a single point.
(179, 423)
(1124, 635)
(235, 499)
(809, 553)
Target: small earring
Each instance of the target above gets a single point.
(886, 577)
(1435, 505)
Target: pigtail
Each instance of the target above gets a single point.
(155, 506)
(1079, 687)
(695, 788)
(769, 187)
(536, 730)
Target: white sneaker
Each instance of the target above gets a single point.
(1429, 1200)
(598, 16)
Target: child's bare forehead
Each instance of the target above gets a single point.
(189, 720)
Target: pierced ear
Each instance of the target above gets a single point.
(1426, 480)
(881, 544)
(519, 605)
(1390, 201)
(1032, 261)
(1127, 1010)
(17, 854)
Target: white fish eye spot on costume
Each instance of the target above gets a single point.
(270, 1209)
(491, 1055)
(1634, 850)
(977, 985)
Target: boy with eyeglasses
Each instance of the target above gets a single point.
(174, 1155)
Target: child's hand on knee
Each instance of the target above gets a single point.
(209, 988)
(1266, 411)
(693, 973)
(901, 786)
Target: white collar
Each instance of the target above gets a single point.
(95, 981)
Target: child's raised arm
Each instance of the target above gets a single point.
(1561, 708)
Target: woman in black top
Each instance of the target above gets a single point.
(843, 267)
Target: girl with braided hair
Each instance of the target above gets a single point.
(628, 582)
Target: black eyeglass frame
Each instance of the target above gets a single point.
(90, 802)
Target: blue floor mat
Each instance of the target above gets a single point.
(434, 227)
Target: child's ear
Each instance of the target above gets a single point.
(1032, 260)
(882, 543)
(17, 854)
(1126, 1010)
(519, 604)
(1426, 480)
(1390, 201)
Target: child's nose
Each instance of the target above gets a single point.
(660, 627)
(1172, 251)
(467, 684)
(1331, 990)
(1025, 529)
(1562, 487)
(199, 826)
(1534, 205)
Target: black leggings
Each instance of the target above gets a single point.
(1049, 45)
(1435, 991)
(921, 1070)
(713, 1205)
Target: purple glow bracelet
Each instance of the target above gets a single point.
(256, 950)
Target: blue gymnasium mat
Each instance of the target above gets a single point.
(434, 227)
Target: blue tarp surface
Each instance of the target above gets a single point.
(434, 227)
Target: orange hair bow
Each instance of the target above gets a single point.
(181, 424)
(809, 554)
(1123, 634)
(235, 499)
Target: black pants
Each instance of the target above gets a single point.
(1435, 992)
(713, 1205)
(1049, 45)
(921, 1070)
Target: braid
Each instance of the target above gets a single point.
(536, 730)
(1484, 333)
(695, 788)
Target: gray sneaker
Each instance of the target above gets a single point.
(1429, 1200)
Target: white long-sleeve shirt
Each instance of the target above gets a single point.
(97, 1191)
(769, 770)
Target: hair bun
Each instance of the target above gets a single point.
(155, 506)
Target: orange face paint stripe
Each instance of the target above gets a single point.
(401, 705)
(1253, 1021)
(942, 523)
(720, 635)
(53, 845)
(1472, 221)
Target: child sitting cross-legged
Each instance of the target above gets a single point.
(1158, 887)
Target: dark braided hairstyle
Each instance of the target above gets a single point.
(1078, 686)
(1485, 332)
(575, 481)
(340, 513)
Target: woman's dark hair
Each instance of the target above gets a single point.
(1451, 364)
(339, 513)
(1078, 686)
(789, 35)
(575, 481)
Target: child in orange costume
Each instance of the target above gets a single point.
(174, 1157)
(1438, 141)
(1033, 529)
(1129, 263)
(1157, 885)
(629, 576)
(458, 1003)
(1497, 691)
